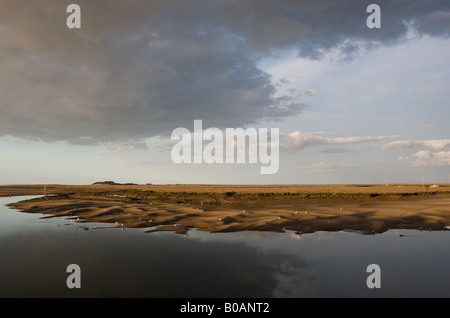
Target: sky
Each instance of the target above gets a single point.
(353, 104)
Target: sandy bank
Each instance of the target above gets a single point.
(222, 212)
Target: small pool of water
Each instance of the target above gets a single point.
(35, 253)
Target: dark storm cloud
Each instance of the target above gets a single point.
(142, 68)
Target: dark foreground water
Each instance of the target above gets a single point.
(35, 254)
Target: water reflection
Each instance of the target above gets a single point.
(35, 254)
(135, 265)
(130, 263)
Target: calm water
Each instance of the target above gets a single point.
(35, 253)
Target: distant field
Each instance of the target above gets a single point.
(231, 195)
(351, 189)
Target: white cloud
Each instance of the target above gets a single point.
(298, 140)
(436, 144)
(428, 158)
(131, 145)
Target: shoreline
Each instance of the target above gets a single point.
(367, 209)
